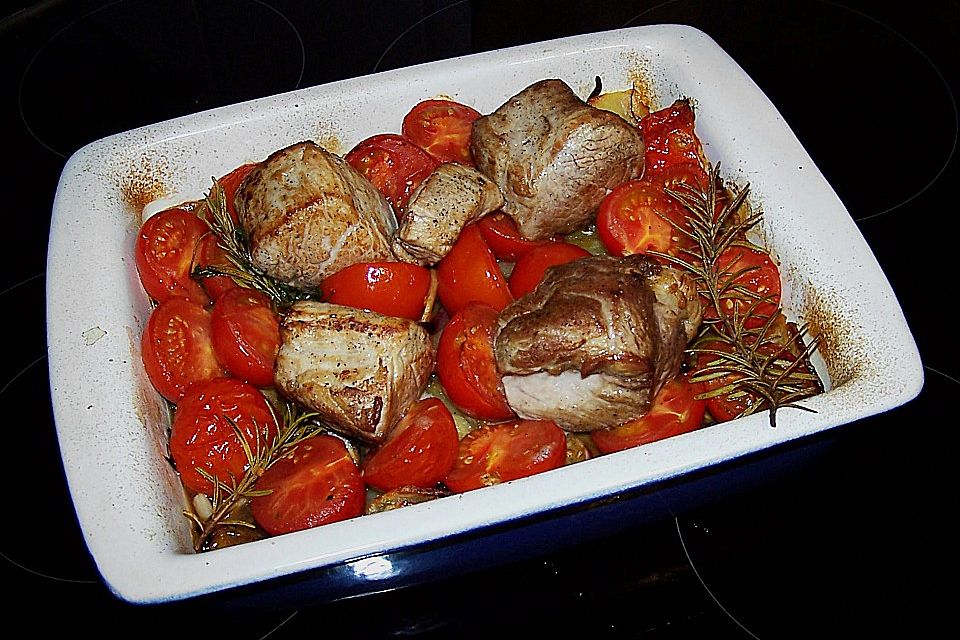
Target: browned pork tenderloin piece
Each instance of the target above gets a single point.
(359, 369)
(449, 199)
(554, 157)
(595, 341)
(308, 214)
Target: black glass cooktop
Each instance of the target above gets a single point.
(853, 542)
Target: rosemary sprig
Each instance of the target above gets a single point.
(757, 360)
(233, 241)
(296, 425)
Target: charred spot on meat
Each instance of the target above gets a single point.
(554, 157)
(590, 347)
(307, 214)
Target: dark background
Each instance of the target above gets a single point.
(854, 542)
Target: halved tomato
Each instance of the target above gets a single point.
(231, 183)
(317, 483)
(164, 255)
(675, 410)
(419, 452)
(502, 236)
(210, 254)
(246, 335)
(532, 266)
(670, 138)
(638, 217)
(442, 128)
(470, 273)
(395, 166)
(466, 365)
(495, 453)
(177, 347)
(204, 435)
(750, 284)
(392, 288)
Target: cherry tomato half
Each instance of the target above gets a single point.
(204, 431)
(502, 236)
(529, 270)
(231, 183)
(752, 285)
(164, 255)
(466, 365)
(246, 335)
(391, 288)
(394, 165)
(177, 347)
(210, 254)
(419, 452)
(675, 410)
(495, 453)
(670, 138)
(470, 273)
(636, 217)
(442, 128)
(317, 483)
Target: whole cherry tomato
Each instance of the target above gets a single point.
(317, 483)
(204, 435)
(164, 255)
(470, 273)
(246, 335)
(177, 347)
(670, 138)
(495, 453)
(529, 270)
(392, 288)
(442, 128)
(419, 452)
(394, 165)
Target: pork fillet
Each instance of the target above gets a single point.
(308, 214)
(359, 369)
(554, 157)
(592, 345)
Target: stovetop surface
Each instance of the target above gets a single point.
(869, 90)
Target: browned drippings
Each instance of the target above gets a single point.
(144, 182)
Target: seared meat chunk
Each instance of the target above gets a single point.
(592, 345)
(554, 157)
(359, 369)
(449, 199)
(307, 214)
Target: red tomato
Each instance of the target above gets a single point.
(442, 128)
(692, 174)
(495, 453)
(210, 254)
(502, 236)
(394, 165)
(204, 431)
(164, 255)
(466, 365)
(670, 138)
(231, 183)
(675, 410)
(636, 218)
(470, 273)
(246, 335)
(749, 275)
(391, 288)
(317, 483)
(530, 269)
(177, 347)
(419, 452)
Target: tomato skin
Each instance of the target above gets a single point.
(394, 165)
(470, 273)
(675, 410)
(466, 365)
(210, 254)
(246, 335)
(502, 236)
(231, 183)
(670, 138)
(443, 129)
(202, 435)
(177, 347)
(760, 276)
(530, 269)
(317, 483)
(636, 218)
(164, 255)
(391, 288)
(420, 451)
(495, 453)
